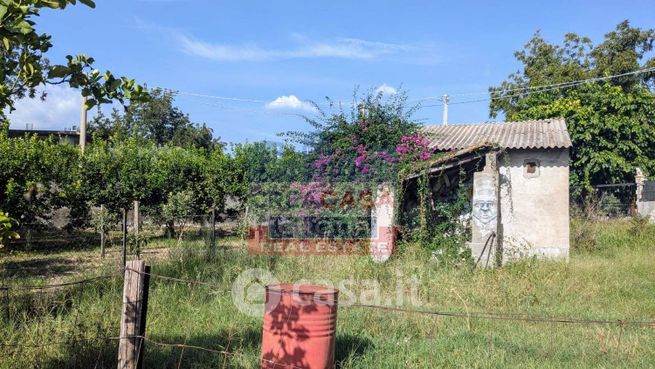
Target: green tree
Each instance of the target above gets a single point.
(610, 122)
(117, 174)
(179, 208)
(179, 184)
(221, 178)
(263, 161)
(156, 120)
(37, 176)
(6, 232)
(24, 67)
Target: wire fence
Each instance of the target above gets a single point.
(91, 231)
(100, 230)
(196, 231)
(496, 316)
(454, 314)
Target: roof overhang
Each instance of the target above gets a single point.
(454, 159)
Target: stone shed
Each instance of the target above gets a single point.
(520, 195)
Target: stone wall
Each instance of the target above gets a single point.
(534, 203)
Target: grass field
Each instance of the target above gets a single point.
(611, 275)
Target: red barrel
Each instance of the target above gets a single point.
(300, 323)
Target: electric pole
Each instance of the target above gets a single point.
(83, 125)
(445, 99)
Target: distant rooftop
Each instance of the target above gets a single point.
(533, 134)
(62, 136)
(21, 132)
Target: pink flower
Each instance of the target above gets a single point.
(322, 161)
(359, 160)
(414, 147)
(402, 149)
(361, 150)
(386, 157)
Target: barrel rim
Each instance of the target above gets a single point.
(302, 289)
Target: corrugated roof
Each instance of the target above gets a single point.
(534, 134)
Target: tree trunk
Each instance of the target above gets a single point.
(170, 229)
(136, 214)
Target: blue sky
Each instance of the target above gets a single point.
(277, 55)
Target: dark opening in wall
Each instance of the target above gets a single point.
(531, 168)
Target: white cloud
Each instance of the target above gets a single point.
(60, 109)
(301, 47)
(386, 89)
(343, 48)
(290, 102)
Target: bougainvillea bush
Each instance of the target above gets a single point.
(352, 150)
(363, 140)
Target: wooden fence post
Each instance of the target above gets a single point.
(213, 233)
(133, 316)
(124, 237)
(102, 231)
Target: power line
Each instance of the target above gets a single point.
(252, 110)
(540, 88)
(493, 95)
(257, 101)
(543, 88)
(225, 98)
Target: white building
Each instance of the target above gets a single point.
(520, 191)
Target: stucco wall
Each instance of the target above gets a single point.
(534, 208)
(645, 196)
(646, 209)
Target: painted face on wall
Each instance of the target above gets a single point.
(484, 210)
(485, 205)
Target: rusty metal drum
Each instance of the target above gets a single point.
(300, 324)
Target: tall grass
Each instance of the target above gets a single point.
(609, 278)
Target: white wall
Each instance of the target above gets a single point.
(534, 208)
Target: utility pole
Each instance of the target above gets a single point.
(83, 125)
(362, 111)
(445, 99)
